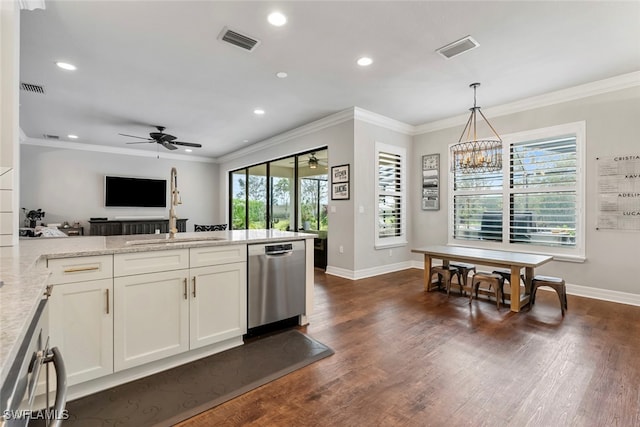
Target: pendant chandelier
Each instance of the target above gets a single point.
(473, 155)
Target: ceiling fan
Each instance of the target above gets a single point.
(167, 141)
(312, 161)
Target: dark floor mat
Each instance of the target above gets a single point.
(182, 392)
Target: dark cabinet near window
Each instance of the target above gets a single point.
(320, 252)
(138, 226)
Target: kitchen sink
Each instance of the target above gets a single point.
(165, 240)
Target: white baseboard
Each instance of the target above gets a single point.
(584, 291)
(603, 294)
(368, 272)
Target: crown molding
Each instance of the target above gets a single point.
(111, 150)
(31, 4)
(612, 84)
(315, 126)
(383, 121)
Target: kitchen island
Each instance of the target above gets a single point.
(30, 267)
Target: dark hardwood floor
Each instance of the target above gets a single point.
(409, 358)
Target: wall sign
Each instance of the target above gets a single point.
(431, 182)
(619, 192)
(340, 182)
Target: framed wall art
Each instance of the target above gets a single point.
(431, 182)
(340, 182)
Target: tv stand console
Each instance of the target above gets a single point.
(137, 226)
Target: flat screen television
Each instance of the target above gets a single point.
(135, 192)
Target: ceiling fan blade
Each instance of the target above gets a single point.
(167, 145)
(133, 136)
(140, 142)
(187, 144)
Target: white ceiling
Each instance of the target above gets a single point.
(144, 63)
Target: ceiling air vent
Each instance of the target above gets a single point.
(457, 47)
(47, 136)
(239, 40)
(29, 87)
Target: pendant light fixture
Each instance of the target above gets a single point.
(473, 155)
(313, 161)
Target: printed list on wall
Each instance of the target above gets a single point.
(619, 192)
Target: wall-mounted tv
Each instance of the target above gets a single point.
(135, 192)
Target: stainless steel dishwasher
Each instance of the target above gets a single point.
(276, 282)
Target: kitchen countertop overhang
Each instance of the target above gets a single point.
(25, 275)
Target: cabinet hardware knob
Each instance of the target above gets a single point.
(185, 288)
(107, 293)
(194, 286)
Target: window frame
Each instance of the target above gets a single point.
(575, 253)
(401, 240)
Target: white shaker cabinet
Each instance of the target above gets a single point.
(81, 315)
(218, 308)
(218, 303)
(151, 319)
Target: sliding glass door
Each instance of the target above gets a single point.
(285, 194)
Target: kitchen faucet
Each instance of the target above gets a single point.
(175, 201)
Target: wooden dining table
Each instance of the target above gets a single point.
(515, 261)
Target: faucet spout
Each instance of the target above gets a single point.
(175, 201)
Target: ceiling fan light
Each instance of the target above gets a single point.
(313, 163)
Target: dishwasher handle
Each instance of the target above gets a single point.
(278, 249)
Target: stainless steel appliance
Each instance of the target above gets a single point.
(19, 388)
(276, 282)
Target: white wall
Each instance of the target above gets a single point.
(350, 137)
(69, 185)
(364, 178)
(613, 126)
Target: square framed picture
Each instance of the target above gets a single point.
(340, 191)
(339, 174)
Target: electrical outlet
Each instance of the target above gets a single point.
(390, 252)
(341, 249)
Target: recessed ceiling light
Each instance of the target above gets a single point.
(66, 66)
(277, 19)
(281, 75)
(245, 140)
(365, 61)
(188, 150)
(72, 136)
(258, 111)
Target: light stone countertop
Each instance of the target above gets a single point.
(23, 269)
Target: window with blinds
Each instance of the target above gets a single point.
(534, 202)
(390, 195)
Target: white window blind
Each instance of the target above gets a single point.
(390, 195)
(535, 202)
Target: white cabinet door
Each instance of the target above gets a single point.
(151, 318)
(81, 326)
(218, 303)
